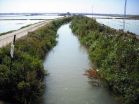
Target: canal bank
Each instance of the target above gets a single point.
(114, 53)
(22, 81)
(66, 64)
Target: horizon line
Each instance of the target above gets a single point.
(65, 13)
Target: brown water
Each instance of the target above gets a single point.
(66, 84)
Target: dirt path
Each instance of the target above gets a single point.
(7, 38)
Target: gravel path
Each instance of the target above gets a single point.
(8, 38)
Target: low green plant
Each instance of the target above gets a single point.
(116, 55)
(24, 83)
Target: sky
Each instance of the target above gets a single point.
(45, 6)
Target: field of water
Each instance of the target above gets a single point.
(130, 25)
(14, 22)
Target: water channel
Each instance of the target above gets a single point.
(66, 64)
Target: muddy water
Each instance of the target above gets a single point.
(66, 84)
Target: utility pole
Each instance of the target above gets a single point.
(92, 11)
(124, 14)
(12, 51)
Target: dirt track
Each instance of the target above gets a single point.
(8, 38)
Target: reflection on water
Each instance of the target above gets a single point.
(66, 83)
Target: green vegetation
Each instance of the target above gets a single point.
(14, 30)
(114, 53)
(24, 83)
(7, 32)
(25, 26)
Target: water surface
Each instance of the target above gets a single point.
(130, 25)
(66, 83)
(10, 24)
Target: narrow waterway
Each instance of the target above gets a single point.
(66, 64)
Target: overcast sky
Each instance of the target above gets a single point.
(44, 6)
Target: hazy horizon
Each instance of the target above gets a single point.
(65, 12)
(73, 6)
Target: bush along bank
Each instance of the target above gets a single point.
(24, 84)
(114, 53)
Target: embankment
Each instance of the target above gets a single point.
(6, 38)
(24, 84)
(114, 53)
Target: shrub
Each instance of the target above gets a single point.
(24, 83)
(115, 54)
